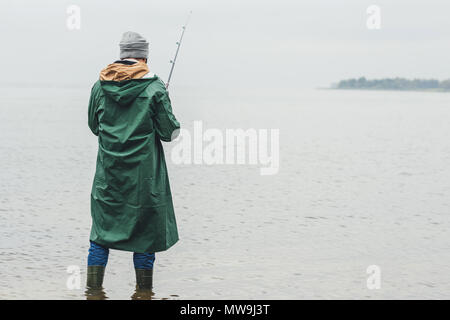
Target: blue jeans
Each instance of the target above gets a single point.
(98, 256)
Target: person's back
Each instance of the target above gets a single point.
(131, 202)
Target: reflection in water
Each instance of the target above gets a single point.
(142, 295)
(99, 294)
(95, 294)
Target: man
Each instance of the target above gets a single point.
(131, 202)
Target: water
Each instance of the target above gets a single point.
(363, 180)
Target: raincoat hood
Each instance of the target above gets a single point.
(125, 92)
(123, 82)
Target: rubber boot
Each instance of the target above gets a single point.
(95, 277)
(144, 279)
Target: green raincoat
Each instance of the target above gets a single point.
(131, 202)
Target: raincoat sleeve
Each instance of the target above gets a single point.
(166, 124)
(92, 110)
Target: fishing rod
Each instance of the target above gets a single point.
(178, 48)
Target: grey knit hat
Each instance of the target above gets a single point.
(133, 45)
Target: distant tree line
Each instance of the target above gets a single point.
(395, 84)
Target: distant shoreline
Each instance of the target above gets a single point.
(393, 84)
(385, 89)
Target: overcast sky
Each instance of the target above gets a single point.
(305, 44)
